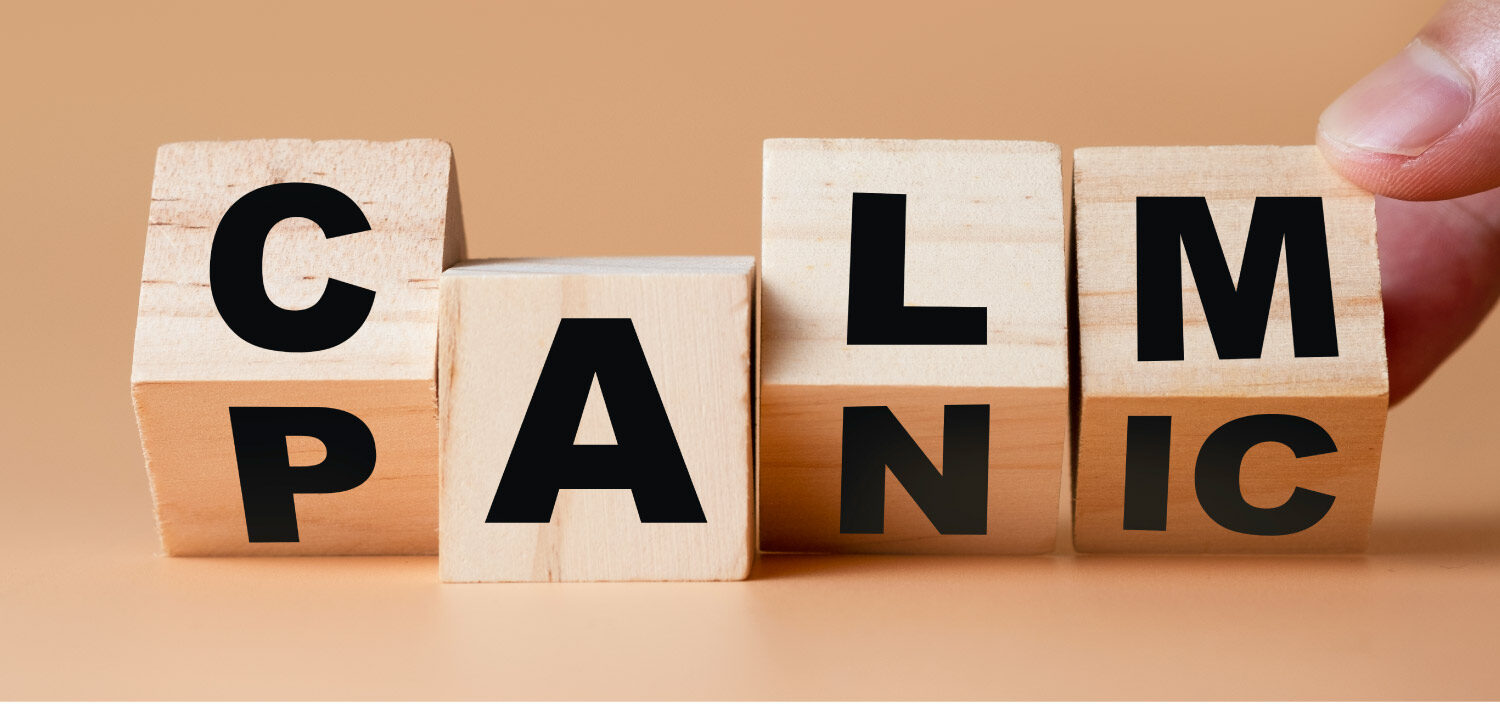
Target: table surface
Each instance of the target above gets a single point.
(655, 114)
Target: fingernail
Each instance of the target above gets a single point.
(1404, 106)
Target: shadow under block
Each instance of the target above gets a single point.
(521, 341)
(982, 229)
(190, 367)
(1316, 399)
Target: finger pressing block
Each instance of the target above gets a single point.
(595, 420)
(914, 386)
(1225, 412)
(284, 368)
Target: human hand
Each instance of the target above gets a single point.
(1422, 132)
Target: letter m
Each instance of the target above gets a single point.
(1237, 313)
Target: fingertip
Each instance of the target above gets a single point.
(1439, 175)
(1363, 168)
(1425, 124)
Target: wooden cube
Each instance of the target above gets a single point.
(284, 376)
(595, 421)
(913, 346)
(1222, 411)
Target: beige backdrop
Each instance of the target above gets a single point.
(636, 129)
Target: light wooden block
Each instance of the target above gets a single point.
(190, 367)
(691, 319)
(1343, 391)
(983, 229)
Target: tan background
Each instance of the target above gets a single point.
(636, 129)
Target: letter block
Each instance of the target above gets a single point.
(1225, 412)
(284, 376)
(595, 420)
(914, 346)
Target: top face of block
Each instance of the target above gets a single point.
(1106, 185)
(502, 326)
(605, 266)
(983, 229)
(407, 195)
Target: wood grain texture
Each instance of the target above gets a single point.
(801, 435)
(1270, 472)
(195, 477)
(188, 366)
(983, 228)
(692, 316)
(406, 191)
(1106, 182)
(1345, 394)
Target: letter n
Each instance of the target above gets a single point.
(955, 499)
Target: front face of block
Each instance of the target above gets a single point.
(913, 315)
(595, 420)
(403, 190)
(201, 506)
(301, 275)
(1269, 474)
(802, 431)
(1231, 349)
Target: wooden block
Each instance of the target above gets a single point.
(595, 420)
(913, 346)
(1225, 415)
(288, 318)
